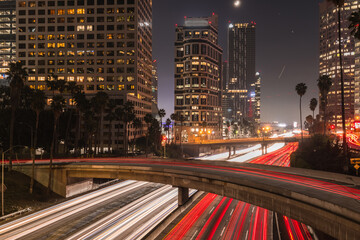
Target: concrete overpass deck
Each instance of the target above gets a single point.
(326, 201)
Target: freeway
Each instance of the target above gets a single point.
(134, 219)
(216, 217)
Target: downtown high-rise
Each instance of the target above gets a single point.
(102, 45)
(7, 36)
(329, 63)
(198, 83)
(240, 71)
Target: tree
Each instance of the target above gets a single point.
(313, 105)
(137, 125)
(16, 76)
(111, 116)
(324, 84)
(71, 88)
(38, 102)
(354, 26)
(126, 114)
(100, 102)
(167, 128)
(57, 106)
(339, 4)
(162, 114)
(82, 105)
(148, 120)
(173, 117)
(301, 90)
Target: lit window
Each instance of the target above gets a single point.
(80, 28)
(81, 11)
(61, 11)
(71, 11)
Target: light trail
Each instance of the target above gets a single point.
(237, 227)
(257, 153)
(224, 156)
(40, 220)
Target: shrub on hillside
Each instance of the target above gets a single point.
(318, 153)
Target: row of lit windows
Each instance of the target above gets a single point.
(80, 11)
(129, 61)
(72, 3)
(79, 28)
(109, 87)
(121, 70)
(80, 53)
(71, 45)
(83, 78)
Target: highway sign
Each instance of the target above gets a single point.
(356, 166)
(355, 160)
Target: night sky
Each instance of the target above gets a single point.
(287, 38)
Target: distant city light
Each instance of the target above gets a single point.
(231, 25)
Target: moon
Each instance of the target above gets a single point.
(237, 3)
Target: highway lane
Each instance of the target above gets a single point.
(45, 224)
(135, 220)
(216, 217)
(225, 155)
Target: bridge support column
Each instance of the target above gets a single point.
(229, 152)
(264, 148)
(234, 152)
(183, 195)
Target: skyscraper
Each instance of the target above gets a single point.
(198, 60)
(329, 60)
(7, 35)
(241, 70)
(154, 106)
(102, 45)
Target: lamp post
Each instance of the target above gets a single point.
(2, 177)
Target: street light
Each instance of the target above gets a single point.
(2, 177)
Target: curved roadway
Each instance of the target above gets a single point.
(311, 197)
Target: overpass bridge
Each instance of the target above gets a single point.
(215, 146)
(326, 201)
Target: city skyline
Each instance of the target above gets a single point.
(282, 33)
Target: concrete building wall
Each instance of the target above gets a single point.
(198, 73)
(329, 59)
(7, 36)
(102, 45)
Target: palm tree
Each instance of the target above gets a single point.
(313, 105)
(137, 125)
(126, 114)
(57, 106)
(129, 116)
(71, 88)
(167, 126)
(173, 117)
(324, 84)
(16, 76)
(38, 102)
(162, 114)
(301, 90)
(82, 105)
(339, 4)
(111, 116)
(148, 120)
(354, 26)
(100, 102)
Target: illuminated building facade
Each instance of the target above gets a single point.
(255, 99)
(329, 60)
(7, 35)
(241, 70)
(198, 85)
(102, 45)
(154, 89)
